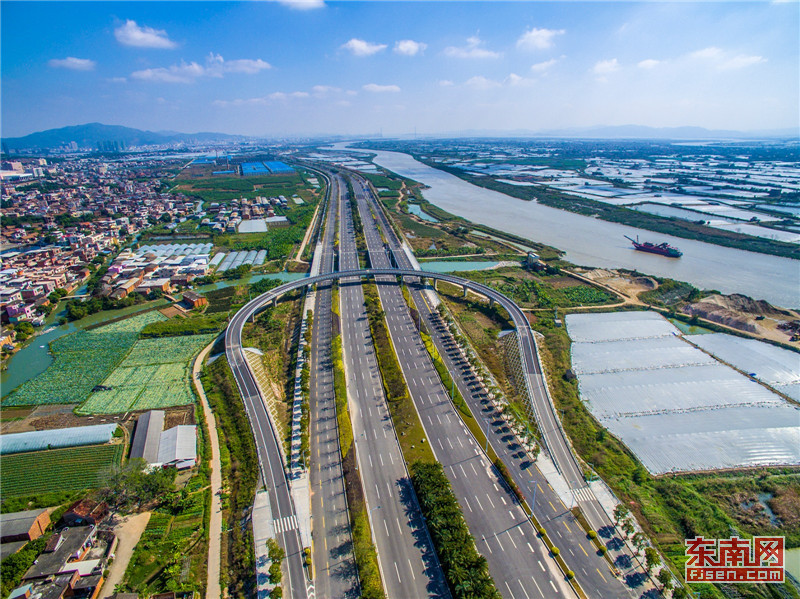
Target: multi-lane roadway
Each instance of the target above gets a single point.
(594, 573)
(405, 554)
(335, 572)
(517, 559)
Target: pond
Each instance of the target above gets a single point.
(417, 210)
(445, 266)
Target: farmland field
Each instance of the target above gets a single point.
(155, 374)
(67, 469)
(81, 361)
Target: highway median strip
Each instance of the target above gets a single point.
(408, 427)
(466, 570)
(363, 548)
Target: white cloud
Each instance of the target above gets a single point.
(515, 80)
(481, 82)
(538, 39)
(409, 47)
(706, 53)
(180, 73)
(446, 83)
(741, 61)
(131, 34)
(303, 4)
(380, 89)
(473, 49)
(118, 80)
(241, 102)
(283, 96)
(723, 60)
(216, 66)
(246, 65)
(541, 67)
(363, 48)
(649, 63)
(606, 67)
(323, 90)
(72, 63)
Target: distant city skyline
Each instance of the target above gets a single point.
(354, 68)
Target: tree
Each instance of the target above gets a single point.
(628, 527)
(665, 578)
(133, 485)
(620, 512)
(23, 330)
(165, 218)
(651, 558)
(640, 540)
(680, 593)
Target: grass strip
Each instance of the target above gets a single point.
(406, 421)
(363, 548)
(447, 380)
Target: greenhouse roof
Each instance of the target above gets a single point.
(49, 439)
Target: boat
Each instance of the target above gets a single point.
(662, 249)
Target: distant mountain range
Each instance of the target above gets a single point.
(92, 134)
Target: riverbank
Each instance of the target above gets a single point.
(593, 242)
(618, 214)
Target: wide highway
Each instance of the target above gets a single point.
(335, 572)
(406, 557)
(263, 432)
(592, 571)
(518, 560)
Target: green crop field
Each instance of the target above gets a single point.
(155, 374)
(67, 469)
(81, 361)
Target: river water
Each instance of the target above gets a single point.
(593, 242)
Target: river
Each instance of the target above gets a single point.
(593, 242)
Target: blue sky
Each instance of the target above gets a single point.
(314, 67)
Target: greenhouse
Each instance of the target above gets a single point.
(48, 439)
(676, 407)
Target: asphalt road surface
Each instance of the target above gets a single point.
(518, 560)
(335, 572)
(295, 584)
(408, 564)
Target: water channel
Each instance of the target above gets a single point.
(593, 242)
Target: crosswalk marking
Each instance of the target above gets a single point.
(285, 524)
(584, 494)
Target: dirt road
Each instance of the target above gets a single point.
(129, 530)
(215, 531)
